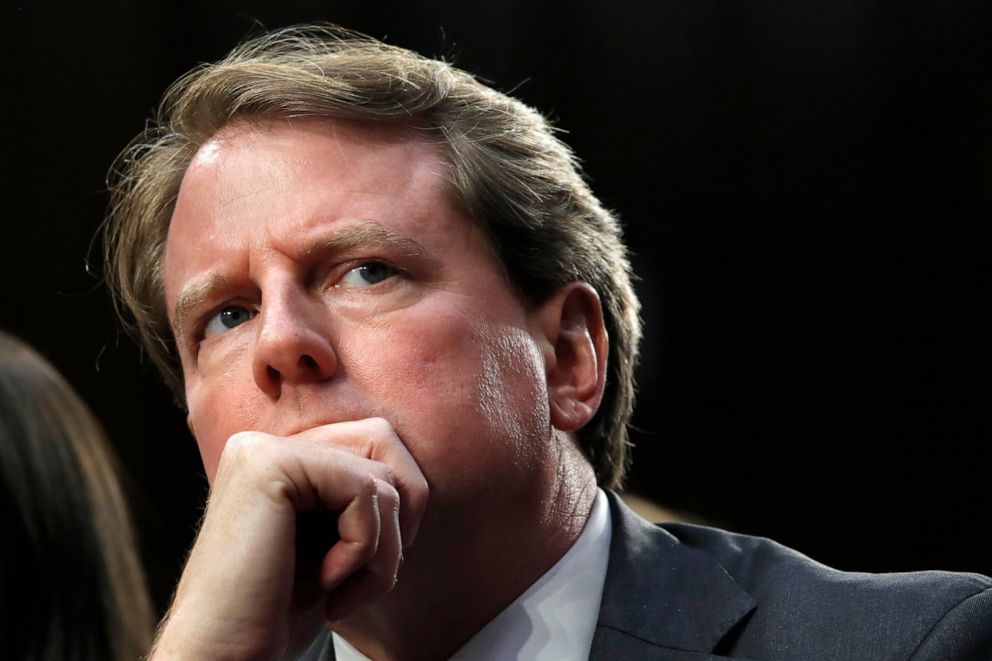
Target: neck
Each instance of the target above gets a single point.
(466, 567)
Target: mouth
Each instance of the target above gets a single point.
(299, 428)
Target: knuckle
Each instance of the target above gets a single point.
(368, 486)
(380, 427)
(244, 446)
(388, 476)
(389, 493)
(389, 503)
(419, 494)
(422, 486)
(242, 439)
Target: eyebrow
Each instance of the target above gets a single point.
(192, 297)
(366, 234)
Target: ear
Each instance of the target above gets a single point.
(189, 424)
(576, 346)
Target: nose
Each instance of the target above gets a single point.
(292, 346)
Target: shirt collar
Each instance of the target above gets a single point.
(555, 618)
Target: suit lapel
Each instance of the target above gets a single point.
(662, 599)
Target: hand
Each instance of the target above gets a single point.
(254, 586)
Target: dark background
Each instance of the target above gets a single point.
(806, 187)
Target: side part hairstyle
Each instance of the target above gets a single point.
(71, 586)
(507, 170)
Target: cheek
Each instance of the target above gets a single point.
(236, 398)
(414, 365)
(512, 390)
(208, 439)
(456, 385)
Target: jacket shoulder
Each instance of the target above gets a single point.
(805, 609)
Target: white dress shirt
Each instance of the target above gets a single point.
(555, 618)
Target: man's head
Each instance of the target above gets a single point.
(501, 164)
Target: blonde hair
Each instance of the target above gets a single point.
(71, 584)
(507, 170)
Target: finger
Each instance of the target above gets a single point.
(334, 480)
(335, 497)
(379, 574)
(359, 527)
(375, 439)
(264, 487)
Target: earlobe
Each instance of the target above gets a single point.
(578, 345)
(189, 424)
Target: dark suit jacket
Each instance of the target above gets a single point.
(693, 593)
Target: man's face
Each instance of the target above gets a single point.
(318, 273)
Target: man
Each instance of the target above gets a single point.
(404, 331)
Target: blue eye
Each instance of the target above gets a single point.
(228, 318)
(366, 275)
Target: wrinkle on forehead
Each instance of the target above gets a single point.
(226, 176)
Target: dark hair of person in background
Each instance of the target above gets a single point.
(71, 584)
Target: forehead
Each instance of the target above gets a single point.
(283, 178)
(246, 165)
(275, 185)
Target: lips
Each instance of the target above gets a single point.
(300, 428)
(303, 410)
(293, 425)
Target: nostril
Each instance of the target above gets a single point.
(308, 362)
(273, 374)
